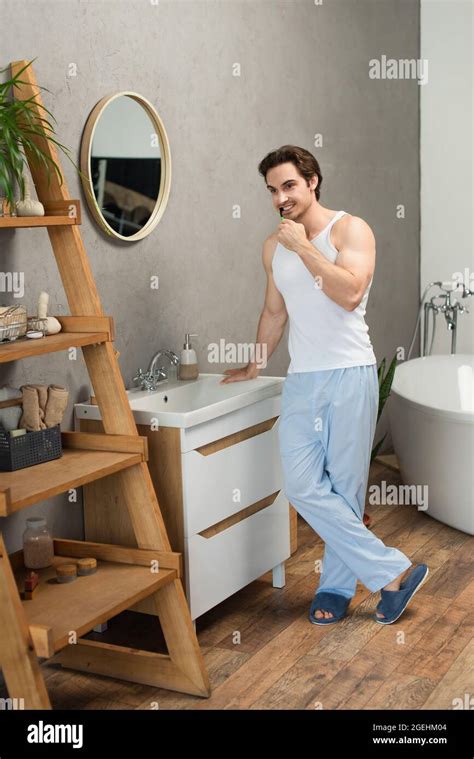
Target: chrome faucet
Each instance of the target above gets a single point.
(152, 377)
(441, 302)
(163, 352)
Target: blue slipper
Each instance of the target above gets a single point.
(335, 603)
(393, 603)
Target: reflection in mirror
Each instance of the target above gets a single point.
(125, 165)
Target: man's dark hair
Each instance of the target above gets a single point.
(304, 161)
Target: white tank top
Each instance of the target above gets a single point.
(322, 334)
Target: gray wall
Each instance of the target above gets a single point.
(304, 70)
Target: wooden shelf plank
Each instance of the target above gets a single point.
(24, 347)
(21, 222)
(58, 213)
(86, 601)
(75, 467)
(103, 442)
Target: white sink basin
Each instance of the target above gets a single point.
(184, 403)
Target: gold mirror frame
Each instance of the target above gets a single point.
(85, 157)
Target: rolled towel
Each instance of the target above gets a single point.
(43, 400)
(30, 419)
(56, 405)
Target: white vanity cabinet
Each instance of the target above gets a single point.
(220, 490)
(235, 514)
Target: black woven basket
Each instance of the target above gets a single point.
(30, 449)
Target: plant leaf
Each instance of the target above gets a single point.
(376, 448)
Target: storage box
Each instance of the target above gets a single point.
(29, 449)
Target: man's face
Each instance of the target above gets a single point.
(289, 189)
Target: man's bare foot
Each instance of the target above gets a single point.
(320, 614)
(395, 585)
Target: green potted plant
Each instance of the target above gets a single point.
(385, 384)
(19, 124)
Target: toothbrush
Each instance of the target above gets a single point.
(281, 212)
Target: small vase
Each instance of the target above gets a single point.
(28, 206)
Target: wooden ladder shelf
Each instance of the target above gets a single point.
(52, 623)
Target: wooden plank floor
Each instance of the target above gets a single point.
(262, 652)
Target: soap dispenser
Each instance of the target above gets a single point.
(188, 365)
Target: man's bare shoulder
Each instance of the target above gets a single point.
(350, 227)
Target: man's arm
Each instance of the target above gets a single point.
(272, 320)
(346, 280)
(274, 314)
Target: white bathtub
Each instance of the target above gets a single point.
(431, 411)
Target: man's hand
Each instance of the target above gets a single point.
(237, 375)
(291, 235)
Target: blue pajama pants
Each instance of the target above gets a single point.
(326, 432)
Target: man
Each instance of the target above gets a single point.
(320, 265)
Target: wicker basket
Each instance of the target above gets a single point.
(13, 322)
(37, 324)
(29, 449)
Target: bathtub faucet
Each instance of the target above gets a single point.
(444, 303)
(440, 303)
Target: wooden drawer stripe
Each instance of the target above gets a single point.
(236, 437)
(224, 524)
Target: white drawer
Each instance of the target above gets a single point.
(200, 434)
(211, 482)
(222, 564)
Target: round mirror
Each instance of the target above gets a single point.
(126, 165)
